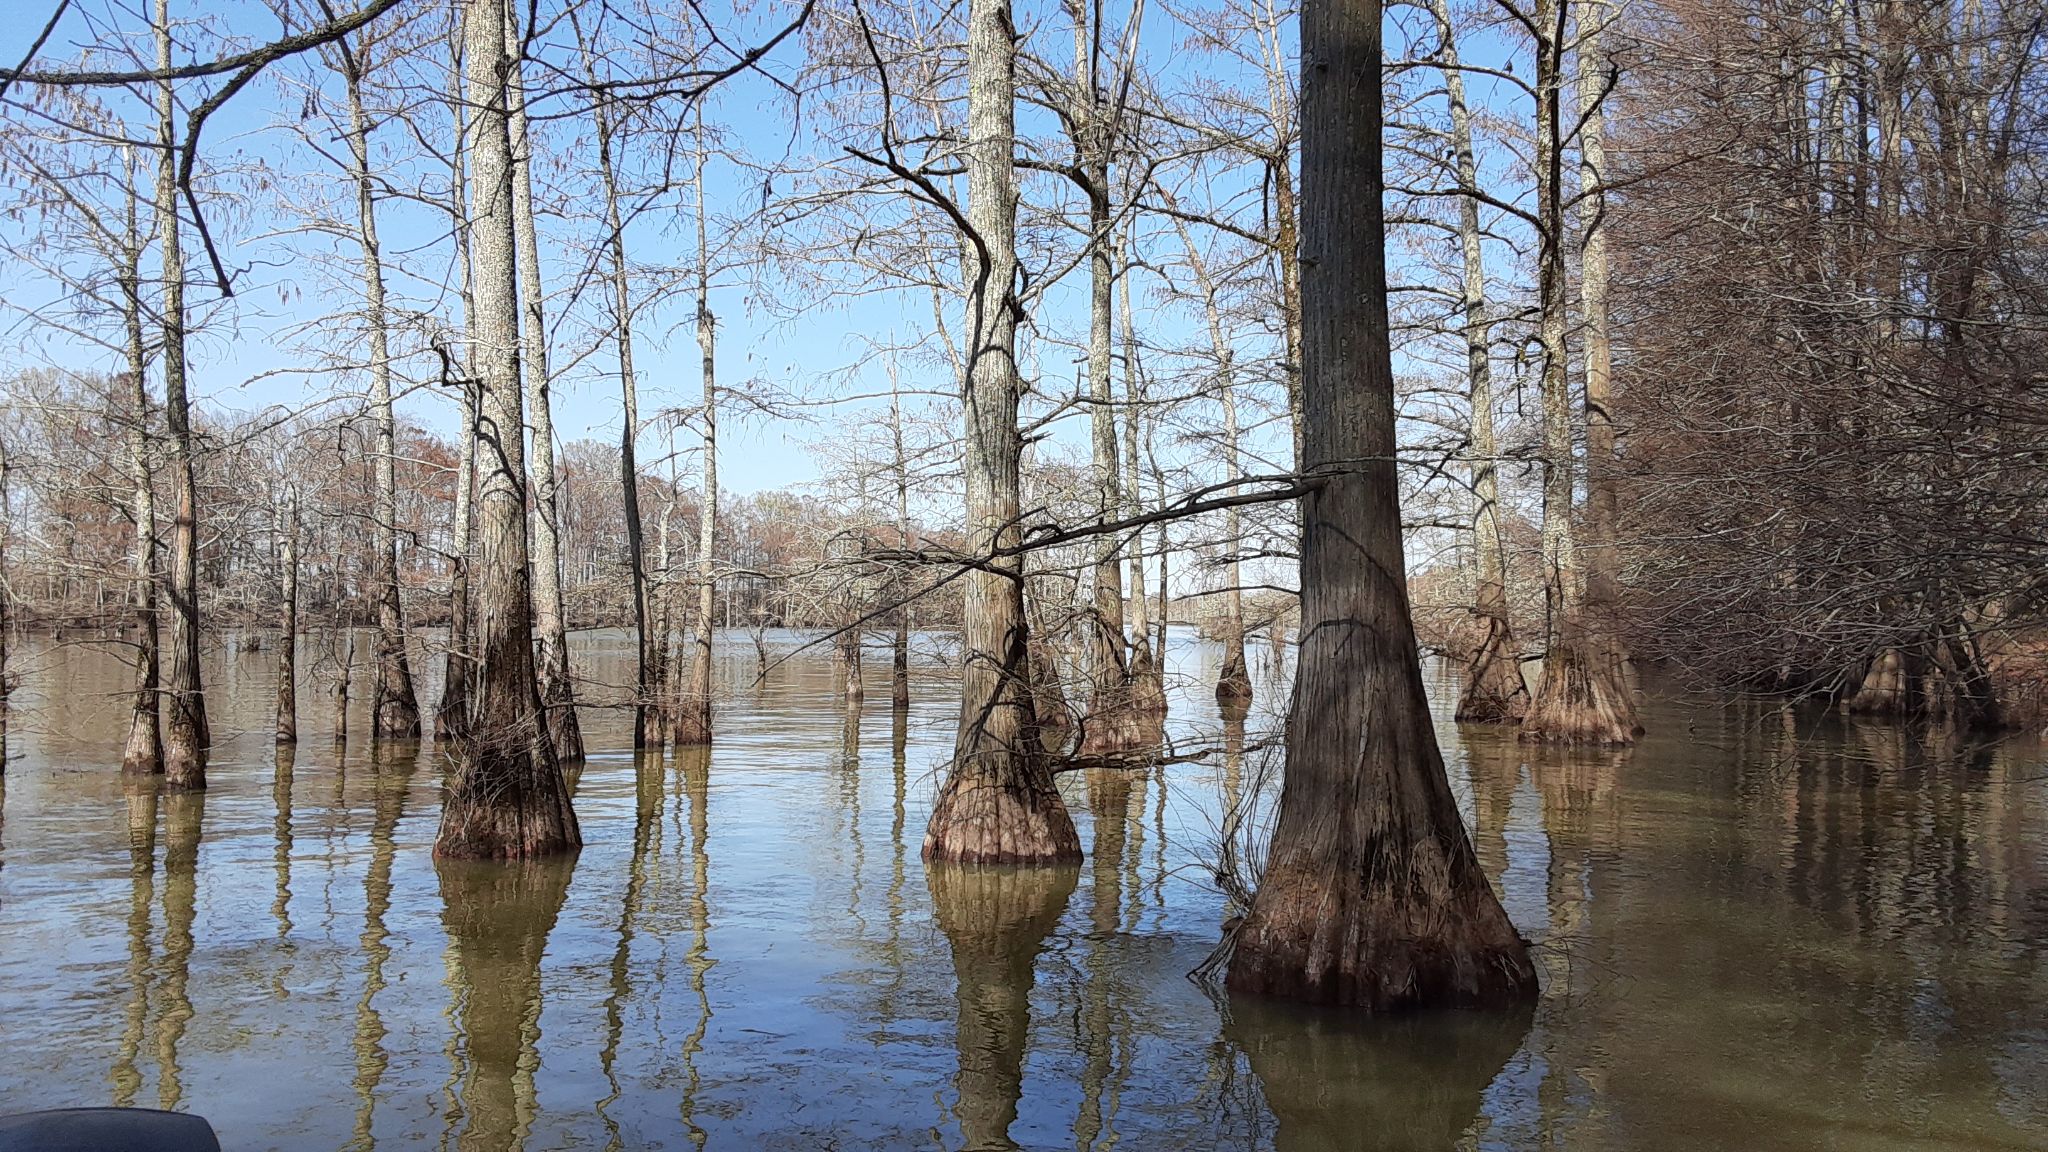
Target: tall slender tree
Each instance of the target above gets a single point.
(998, 804)
(1494, 691)
(186, 736)
(550, 622)
(394, 708)
(693, 704)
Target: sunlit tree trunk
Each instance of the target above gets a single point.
(459, 671)
(1583, 695)
(1233, 683)
(899, 663)
(998, 804)
(288, 621)
(1110, 725)
(645, 731)
(505, 794)
(395, 712)
(549, 622)
(693, 705)
(1148, 692)
(186, 736)
(1494, 692)
(1371, 895)
(144, 754)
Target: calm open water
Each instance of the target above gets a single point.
(1757, 931)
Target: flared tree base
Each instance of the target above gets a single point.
(565, 731)
(692, 728)
(1582, 701)
(144, 755)
(396, 716)
(1001, 808)
(506, 801)
(1117, 728)
(1381, 939)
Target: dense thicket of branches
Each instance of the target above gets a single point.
(1834, 287)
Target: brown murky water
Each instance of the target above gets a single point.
(1757, 931)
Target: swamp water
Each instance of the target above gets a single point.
(1756, 931)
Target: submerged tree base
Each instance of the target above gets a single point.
(507, 800)
(1581, 701)
(1359, 938)
(1494, 690)
(692, 728)
(1118, 728)
(1001, 808)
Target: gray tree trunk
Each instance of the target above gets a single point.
(395, 711)
(998, 804)
(505, 794)
(1582, 696)
(144, 754)
(550, 625)
(693, 706)
(186, 736)
(288, 621)
(1494, 692)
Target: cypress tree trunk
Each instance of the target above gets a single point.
(144, 754)
(1233, 682)
(693, 705)
(186, 737)
(1371, 895)
(506, 796)
(459, 670)
(549, 623)
(1583, 696)
(288, 624)
(998, 804)
(1148, 689)
(395, 711)
(899, 662)
(645, 731)
(1494, 692)
(1111, 725)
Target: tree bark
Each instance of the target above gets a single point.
(1110, 726)
(1582, 696)
(1233, 682)
(1148, 689)
(1372, 895)
(395, 711)
(550, 625)
(693, 705)
(505, 796)
(645, 732)
(459, 670)
(288, 623)
(186, 736)
(899, 662)
(998, 804)
(1494, 691)
(144, 754)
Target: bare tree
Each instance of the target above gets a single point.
(998, 804)
(1371, 895)
(506, 796)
